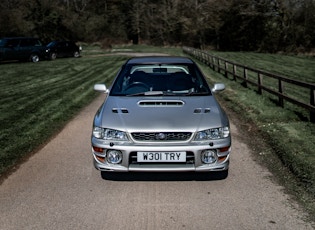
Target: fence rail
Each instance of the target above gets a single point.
(280, 86)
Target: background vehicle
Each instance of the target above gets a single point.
(56, 49)
(161, 116)
(21, 48)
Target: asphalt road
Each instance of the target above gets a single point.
(58, 188)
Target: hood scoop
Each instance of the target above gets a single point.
(161, 103)
(122, 110)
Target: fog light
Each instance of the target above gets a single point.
(209, 156)
(114, 156)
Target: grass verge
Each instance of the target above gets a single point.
(280, 139)
(38, 99)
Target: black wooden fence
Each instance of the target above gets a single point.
(284, 88)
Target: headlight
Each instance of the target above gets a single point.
(212, 134)
(109, 134)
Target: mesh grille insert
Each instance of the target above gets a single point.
(162, 136)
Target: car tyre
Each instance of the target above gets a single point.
(53, 56)
(34, 58)
(76, 54)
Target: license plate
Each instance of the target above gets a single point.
(161, 156)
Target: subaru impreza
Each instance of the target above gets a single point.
(160, 115)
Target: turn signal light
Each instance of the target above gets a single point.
(224, 149)
(222, 158)
(98, 149)
(101, 159)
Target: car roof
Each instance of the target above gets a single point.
(18, 38)
(159, 59)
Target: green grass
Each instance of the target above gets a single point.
(38, 99)
(295, 67)
(288, 133)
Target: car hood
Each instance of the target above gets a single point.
(148, 114)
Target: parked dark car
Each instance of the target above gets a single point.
(56, 49)
(21, 48)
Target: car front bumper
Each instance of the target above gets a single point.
(222, 147)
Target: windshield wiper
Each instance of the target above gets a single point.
(196, 93)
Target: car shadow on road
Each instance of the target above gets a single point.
(163, 176)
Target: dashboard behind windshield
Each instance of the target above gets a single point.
(160, 79)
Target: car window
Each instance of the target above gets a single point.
(51, 44)
(71, 44)
(37, 42)
(171, 79)
(12, 42)
(30, 42)
(62, 44)
(25, 42)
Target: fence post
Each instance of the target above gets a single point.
(225, 69)
(203, 57)
(210, 60)
(312, 102)
(207, 60)
(260, 78)
(280, 86)
(219, 69)
(234, 72)
(245, 77)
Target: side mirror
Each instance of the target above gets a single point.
(101, 88)
(218, 87)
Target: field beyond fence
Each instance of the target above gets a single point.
(286, 89)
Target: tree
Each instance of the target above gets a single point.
(244, 25)
(249, 25)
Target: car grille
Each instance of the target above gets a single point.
(190, 159)
(162, 136)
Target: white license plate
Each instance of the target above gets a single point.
(161, 156)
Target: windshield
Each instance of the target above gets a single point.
(51, 44)
(160, 79)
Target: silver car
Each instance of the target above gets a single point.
(160, 115)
